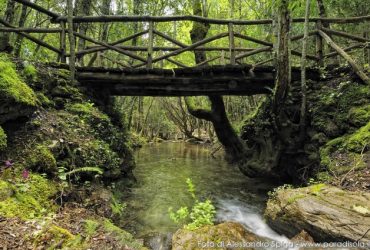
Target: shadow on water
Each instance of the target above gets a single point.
(161, 173)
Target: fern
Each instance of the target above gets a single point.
(85, 169)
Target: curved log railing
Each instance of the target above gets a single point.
(231, 53)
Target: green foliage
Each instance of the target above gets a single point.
(86, 110)
(30, 72)
(191, 187)
(272, 194)
(12, 88)
(3, 141)
(91, 226)
(42, 159)
(180, 216)
(200, 214)
(117, 207)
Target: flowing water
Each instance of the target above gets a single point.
(162, 170)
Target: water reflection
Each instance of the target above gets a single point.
(161, 173)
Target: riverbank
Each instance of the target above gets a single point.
(60, 155)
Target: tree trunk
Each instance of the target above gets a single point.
(84, 10)
(18, 42)
(283, 74)
(72, 58)
(233, 145)
(5, 36)
(302, 122)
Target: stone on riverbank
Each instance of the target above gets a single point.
(205, 237)
(327, 213)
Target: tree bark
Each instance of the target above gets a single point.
(84, 10)
(233, 145)
(322, 13)
(18, 42)
(283, 74)
(302, 122)
(72, 59)
(359, 71)
(4, 36)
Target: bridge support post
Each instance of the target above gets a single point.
(150, 47)
(367, 50)
(72, 55)
(319, 46)
(62, 42)
(231, 44)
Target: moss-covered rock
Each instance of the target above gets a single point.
(29, 198)
(42, 160)
(344, 153)
(221, 236)
(17, 98)
(359, 116)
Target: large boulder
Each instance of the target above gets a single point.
(327, 213)
(17, 98)
(222, 236)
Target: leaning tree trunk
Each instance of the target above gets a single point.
(234, 147)
(5, 36)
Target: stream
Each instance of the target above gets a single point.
(161, 172)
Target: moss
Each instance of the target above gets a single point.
(42, 159)
(90, 227)
(295, 197)
(316, 189)
(344, 153)
(335, 109)
(359, 116)
(86, 110)
(3, 141)
(6, 190)
(30, 72)
(359, 140)
(124, 238)
(31, 198)
(44, 100)
(12, 87)
(55, 237)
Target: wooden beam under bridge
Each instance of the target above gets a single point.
(196, 81)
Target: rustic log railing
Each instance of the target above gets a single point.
(232, 53)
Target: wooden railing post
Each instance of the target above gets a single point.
(231, 44)
(319, 46)
(367, 49)
(63, 42)
(72, 54)
(150, 47)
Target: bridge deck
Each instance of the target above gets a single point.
(196, 81)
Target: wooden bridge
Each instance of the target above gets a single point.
(243, 66)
